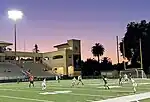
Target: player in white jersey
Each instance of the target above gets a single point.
(44, 84)
(120, 79)
(80, 80)
(58, 79)
(125, 77)
(134, 84)
(73, 82)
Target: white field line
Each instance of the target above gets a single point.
(116, 83)
(96, 89)
(20, 90)
(76, 88)
(94, 81)
(64, 93)
(91, 95)
(89, 100)
(110, 83)
(79, 88)
(143, 83)
(129, 98)
(22, 98)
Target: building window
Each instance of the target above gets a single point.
(57, 57)
(70, 56)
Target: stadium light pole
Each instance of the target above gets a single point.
(15, 15)
(117, 49)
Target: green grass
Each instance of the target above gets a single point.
(13, 92)
(145, 100)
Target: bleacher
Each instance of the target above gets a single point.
(37, 69)
(8, 69)
(12, 71)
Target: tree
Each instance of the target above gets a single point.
(36, 50)
(106, 60)
(106, 64)
(137, 31)
(89, 67)
(98, 50)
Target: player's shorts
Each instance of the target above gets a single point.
(73, 82)
(126, 79)
(80, 80)
(43, 85)
(31, 82)
(134, 84)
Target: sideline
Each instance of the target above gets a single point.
(129, 98)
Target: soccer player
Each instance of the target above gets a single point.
(80, 80)
(120, 79)
(73, 82)
(31, 79)
(57, 79)
(105, 82)
(44, 84)
(18, 80)
(130, 76)
(134, 84)
(125, 77)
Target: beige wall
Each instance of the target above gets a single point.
(63, 47)
(70, 71)
(56, 63)
(76, 47)
(69, 62)
(76, 50)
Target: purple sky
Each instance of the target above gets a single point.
(50, 22)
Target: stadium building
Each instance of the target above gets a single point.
(65, 61)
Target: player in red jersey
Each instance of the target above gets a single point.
(31, 79)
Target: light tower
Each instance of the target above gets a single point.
(15, 15)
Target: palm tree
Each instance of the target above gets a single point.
(98, 50)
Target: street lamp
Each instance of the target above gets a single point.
(15, 15)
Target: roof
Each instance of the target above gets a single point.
(5, 43)
(61, 45)
(75, 39)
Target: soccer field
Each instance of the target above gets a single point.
(93, 90)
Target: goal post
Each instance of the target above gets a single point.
(136, 72)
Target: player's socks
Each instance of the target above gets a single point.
(134, 90)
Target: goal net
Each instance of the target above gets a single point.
(136, 73)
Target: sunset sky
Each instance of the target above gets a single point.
(51, 22)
